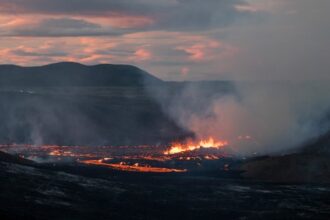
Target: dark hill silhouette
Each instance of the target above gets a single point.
(74, 74)
(74, 104)
(4, 157)
(311, 164)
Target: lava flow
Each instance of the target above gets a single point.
(180, 157)
(190, 145)
(133, 168)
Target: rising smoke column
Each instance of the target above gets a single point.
(262, 117)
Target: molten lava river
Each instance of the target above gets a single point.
(178, 157)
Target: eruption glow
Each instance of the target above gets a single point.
(190, 145)
(181, 157)
(133, 168)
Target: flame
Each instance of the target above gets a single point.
(178, 147)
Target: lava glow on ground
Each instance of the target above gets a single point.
(177, 158)
(190, 145)
(133, 168)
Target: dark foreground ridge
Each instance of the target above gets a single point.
(74, 74)
(41, 193)
(310, 164)
(8, 158)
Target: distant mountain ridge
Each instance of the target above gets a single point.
(75, 74)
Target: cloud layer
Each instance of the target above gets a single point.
(173, 39)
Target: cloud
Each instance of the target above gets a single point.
(162, 36)
(58, 27)
(215, 39)
(143, 54)
(45, 52)
(202, 50)
(22, 51)
(171, 14)
(157, 52)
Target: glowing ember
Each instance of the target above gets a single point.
(133, 168)
(191, 146)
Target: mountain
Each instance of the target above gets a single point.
(74, 74)
(74, 104)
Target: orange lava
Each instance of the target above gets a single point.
(177, 147)
(133, 168)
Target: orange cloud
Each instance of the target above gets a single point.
(166, 54)
(143, 54)
(206, 49)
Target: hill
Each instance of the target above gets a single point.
(4, 157)
(73, 104)
(74, 74)
(311, 164)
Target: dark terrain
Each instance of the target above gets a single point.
(111, 105)
(81, 105)
(74, 75)
(29, 192)
(310, 164)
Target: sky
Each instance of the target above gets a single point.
(173, 39)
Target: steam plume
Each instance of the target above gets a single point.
(259, 117)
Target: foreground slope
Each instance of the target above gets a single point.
(40, 193)
(310, 164)
(8, 158)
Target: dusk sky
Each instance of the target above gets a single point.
(173, 39)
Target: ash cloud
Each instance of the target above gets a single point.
(255, 117)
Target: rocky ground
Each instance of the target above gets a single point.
(310, 164)
(29, 192)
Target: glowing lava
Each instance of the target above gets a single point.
(133, 168)
(190, 145)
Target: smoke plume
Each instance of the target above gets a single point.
(260, 117)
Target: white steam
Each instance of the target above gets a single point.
(253, 117)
